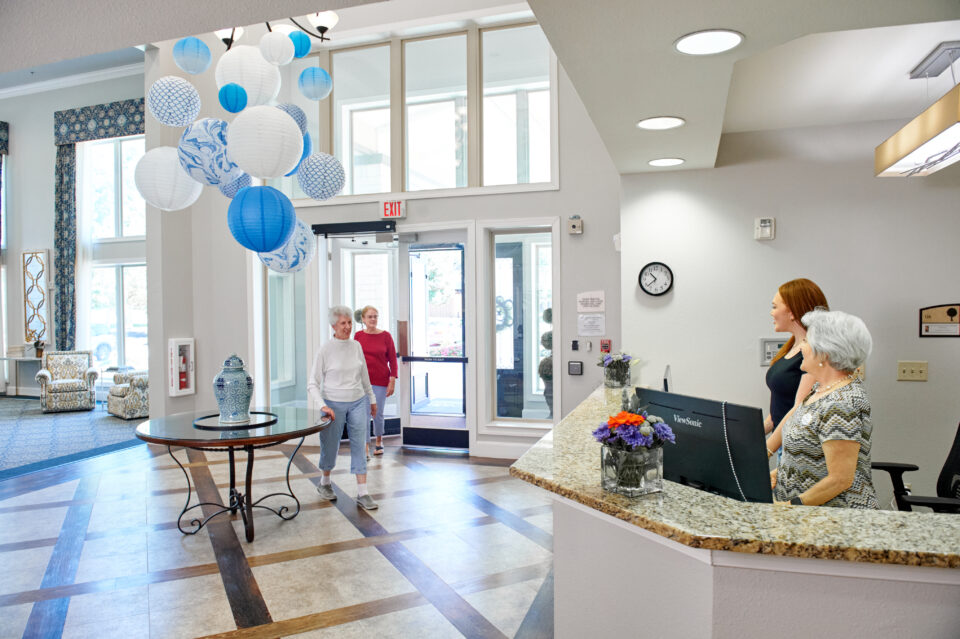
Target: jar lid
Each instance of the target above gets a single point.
(233, 361)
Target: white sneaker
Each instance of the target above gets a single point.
(326, 492)
(366, 502)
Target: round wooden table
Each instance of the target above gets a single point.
(179, 430)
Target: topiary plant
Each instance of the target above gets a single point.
(546, 340)
(548, 316)
(545, 370)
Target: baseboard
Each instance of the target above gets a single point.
(500, 450)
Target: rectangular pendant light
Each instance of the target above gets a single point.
(928, 143)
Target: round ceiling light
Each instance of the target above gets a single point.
(708, 42)
(661, 123)
(666, 162)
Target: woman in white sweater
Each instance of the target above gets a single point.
(339, 383)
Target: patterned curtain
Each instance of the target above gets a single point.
(111, 120)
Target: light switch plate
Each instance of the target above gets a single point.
(911, 371)
(764, 228)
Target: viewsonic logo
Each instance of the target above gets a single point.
(686, 420)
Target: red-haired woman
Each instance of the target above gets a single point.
(787, 383)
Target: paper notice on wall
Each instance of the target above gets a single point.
(591, 324)
(590, 302)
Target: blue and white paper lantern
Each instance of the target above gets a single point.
(191, 55)
(173, 101)
(230, 189)
(244, 65)
(203, 152)
(297, 114)
(307, 150)
(233, 97)
(295, 254)
(261, 218)
(315, 83)
(321, 176)
(301, 43)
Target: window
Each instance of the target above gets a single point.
(435, 87)
(516, 106)
(282, 310)
(106, 190)
(119, 300)
(361, 118)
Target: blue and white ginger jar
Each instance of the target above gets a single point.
(233, 389)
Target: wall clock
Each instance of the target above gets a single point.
(656, 278)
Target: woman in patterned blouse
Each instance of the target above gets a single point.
(827, 436)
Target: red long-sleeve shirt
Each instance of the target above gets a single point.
(381, 355)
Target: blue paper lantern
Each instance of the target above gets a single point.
(230, 189)
(173, 101)
(315, 83)
(203, 152)
(261, 218)
(321, 176)
(233, 97)
(301, 43)
(297, 114)
(307, 149)
(295, 254)
(191, 55)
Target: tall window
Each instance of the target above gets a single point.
(108, 195)
(280, 288)
(361, 118)
(118, 316)
(435, 88)
(516, 106)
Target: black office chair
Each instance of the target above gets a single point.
(948, 484)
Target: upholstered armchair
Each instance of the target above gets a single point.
(67, 381)
(129, 396)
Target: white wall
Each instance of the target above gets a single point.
(879, 248)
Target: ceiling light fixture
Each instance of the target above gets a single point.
(322, 21)
(666, 162)
(708, 42)
(661, 123)
(229, 35)
(931, 141)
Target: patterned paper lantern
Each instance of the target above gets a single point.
(307, 150)
(233, 97)
(203, 152)
(276, 48)
(244, 65)
(191, 55)
(321, 176)
(173, 101)
(297, 114)
(315, 83)
(230, 189)
(265, 142)
(295, 254)
(261, 218)
(162, 182)
(301, 43)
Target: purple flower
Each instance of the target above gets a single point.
(604, 434)
(664, 432)
(626, 358)
(607, 359)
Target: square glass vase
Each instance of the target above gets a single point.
(616, 377)
(631, 473)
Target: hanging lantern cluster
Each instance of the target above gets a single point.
(262, 141)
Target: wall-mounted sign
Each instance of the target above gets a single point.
(940, 321)
(393, 210)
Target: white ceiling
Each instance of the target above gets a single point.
(620, 56)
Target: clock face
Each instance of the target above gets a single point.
(656, 278)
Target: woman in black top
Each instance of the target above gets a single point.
(787, 383)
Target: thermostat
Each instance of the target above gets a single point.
(574, 368)
(764, 228)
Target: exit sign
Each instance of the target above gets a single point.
(392, 210)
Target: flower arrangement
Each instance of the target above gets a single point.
(629, 431)
(616, 368)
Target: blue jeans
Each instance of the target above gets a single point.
(355, 414)
(380, 392)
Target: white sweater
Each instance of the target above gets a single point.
(339, 373)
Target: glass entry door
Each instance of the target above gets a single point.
(434, 363)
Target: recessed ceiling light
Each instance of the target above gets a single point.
(708, 42)
(661, 122)
(666, 162)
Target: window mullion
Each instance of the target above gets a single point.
(474, 107)
(121, 332)
(117, 191)
(398, 109)
(523, 137)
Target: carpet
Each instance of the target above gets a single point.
(31, 439)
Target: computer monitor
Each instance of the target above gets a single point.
(731, 462)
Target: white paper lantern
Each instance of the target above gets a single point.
(244, 65)
(265, 142)
(276, 48)
(173, 101)
(162, 181)
(321, 176)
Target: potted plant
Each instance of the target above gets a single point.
(631, 455)
(38, 347)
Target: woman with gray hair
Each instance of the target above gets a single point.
(827, 435)
(340, 385)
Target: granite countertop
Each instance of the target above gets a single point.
(566, 461)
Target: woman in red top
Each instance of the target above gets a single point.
(381, 355)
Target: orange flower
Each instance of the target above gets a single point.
(624, 418)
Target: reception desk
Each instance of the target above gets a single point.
(686, 563)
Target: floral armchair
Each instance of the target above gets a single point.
(67, 381)
(129, 396)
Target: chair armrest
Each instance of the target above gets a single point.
(91, 375)
(893, 467)
(938, 504)
(43, 377)
(139, 381)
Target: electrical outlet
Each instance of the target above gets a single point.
(911, 371)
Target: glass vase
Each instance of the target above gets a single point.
(616, 377)
(631, 472)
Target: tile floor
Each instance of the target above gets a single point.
(457, 548)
